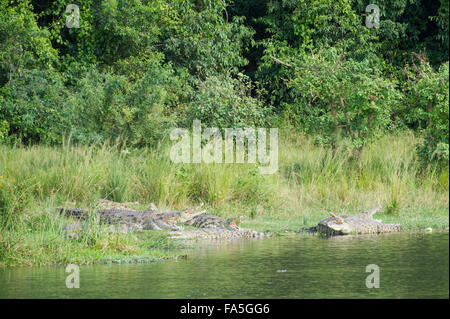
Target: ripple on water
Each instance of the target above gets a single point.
(412, 265)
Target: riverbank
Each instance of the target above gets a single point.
(310, 181)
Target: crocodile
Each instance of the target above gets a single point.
(72, 231)
(355, 224)
(218, 233)
(127, 220)
(122, 219)
(147, 219)
(212, 221)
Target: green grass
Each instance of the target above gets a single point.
(43, 242)
(309, 183)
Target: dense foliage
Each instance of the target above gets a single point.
(427, 100)
(132, 69)
(339, 97)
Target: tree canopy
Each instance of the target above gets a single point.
(133, 69)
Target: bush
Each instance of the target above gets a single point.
(37, 107)
(225, 102)
(338, 97)
(109, 106)
(204, 41)
(33, 106)
(427, 101)
(297, 27)
(23, 44)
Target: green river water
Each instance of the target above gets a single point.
(411, 265)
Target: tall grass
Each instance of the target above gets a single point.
(310, 181)
(390, 173)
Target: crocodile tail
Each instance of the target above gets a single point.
(257, 234)
(390, 228)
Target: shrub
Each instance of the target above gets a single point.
(339, 97)
(427, 100)
(205, 41)
(297, 27)
(225, 102)
(109, 106)
(23, 44)
(33, 106)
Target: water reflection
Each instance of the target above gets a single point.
(411, 266)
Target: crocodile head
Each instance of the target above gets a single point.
(232, 222)
(339, 225)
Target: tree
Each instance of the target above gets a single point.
(338, 97)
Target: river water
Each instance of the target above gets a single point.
(411, 265)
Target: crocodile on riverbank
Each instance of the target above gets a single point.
(355, 224)
(212, 221)
(146, 220)
(123, 220)
(218, 233)
(73, 231)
